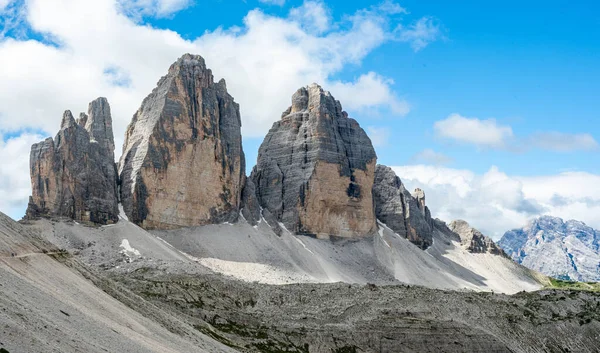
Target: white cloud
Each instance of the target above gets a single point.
(314, 16)
(429, 156)
(420, 34)
(15, 186)
(273, 2)
(367, 92)
(563, 142)
(496, 202)
(482, 133)
(379, 135)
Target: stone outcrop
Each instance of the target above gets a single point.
(473, 240)
(316, 168)
(405, 214)
(183, 163)
(74, 175)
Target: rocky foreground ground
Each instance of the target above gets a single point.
(252, 317)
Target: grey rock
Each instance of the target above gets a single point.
(565, 250)
(250, 207)
(74, 175)
(473, 240)
(183, 163)
(405, 214)
(315, 169)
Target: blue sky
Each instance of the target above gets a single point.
(464, 98)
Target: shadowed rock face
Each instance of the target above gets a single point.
(473, 240)
(316, 167)
(405, 214)
(182, 162)
(74, 175)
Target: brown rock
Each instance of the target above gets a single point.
(74, 174)
(182, 162)
(316, 168)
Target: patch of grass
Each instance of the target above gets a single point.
(573, 285)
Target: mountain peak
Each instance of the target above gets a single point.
(565, 250)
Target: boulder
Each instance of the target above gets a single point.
(316, 168)
(183, 163)
(74, 175)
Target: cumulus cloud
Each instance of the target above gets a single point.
(15, 185)
(420, 34)
(429, 156)
(495, 202)
(482, 133)
(368, 92)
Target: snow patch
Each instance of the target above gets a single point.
(128, 250)
(122, 214)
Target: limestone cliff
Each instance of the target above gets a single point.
(74, 175)
(182, 162)
(316, 168)
(405, 214)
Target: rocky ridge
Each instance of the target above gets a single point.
(74, 174)
(316, 168)
(565, 250)
(183, 163)
(405, 213)
(473, 240)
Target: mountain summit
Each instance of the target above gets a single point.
(566, 250)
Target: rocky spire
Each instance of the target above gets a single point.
(74, 174)
(182, 162)
(405, 214)
(316, 167)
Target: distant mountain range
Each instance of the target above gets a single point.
(565, 250)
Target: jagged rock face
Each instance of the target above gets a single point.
(405, 214)
(316, 168)
(250, 207)
(182, 162)
(74, 175)
(473, 240)
(566, 250)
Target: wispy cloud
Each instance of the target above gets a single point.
(420, 34)
(429, 156)
(379, 135)
(563, 142)
(273, 2)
